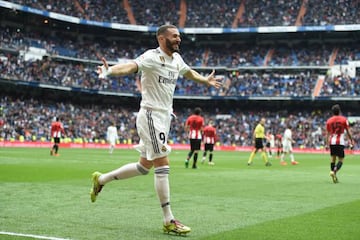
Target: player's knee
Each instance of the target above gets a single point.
(143, 170)
(162, 171)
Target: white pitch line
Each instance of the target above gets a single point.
(32, 236)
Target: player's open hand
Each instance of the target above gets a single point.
(103, 70)
(214, 81)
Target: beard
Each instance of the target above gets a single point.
(173, 47)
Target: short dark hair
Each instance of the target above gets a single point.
(162, 29)
(197, 111)
(336, 109)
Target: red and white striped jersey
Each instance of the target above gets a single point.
(209, 134)
(195, 123)
(336, 126)
(57, 129)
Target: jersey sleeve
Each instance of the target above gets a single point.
(183, 67)
(145, 60)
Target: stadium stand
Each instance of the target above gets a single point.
(37, 52)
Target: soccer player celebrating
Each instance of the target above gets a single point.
(159, 69)
(194, 125)
(57, 130)
(259, 137)
(336, 127)
(209, 135)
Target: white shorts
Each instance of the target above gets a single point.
(287, 147)
(112, 141)
(153, 129)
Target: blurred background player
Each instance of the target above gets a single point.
(259, 137)
(287, 147)
(278, 143)
(57, 131)
(112, 136)
(194, 125)
(335, 129)
(209, 135)
(270, 143)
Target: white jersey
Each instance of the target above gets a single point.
(112, 134)
(287, 141)
(159, 73)
(271, 140)
(287, 138)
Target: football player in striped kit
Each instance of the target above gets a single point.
(57, 131)
(194, 125)
(336, 126)
(209, 138)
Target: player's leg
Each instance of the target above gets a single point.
(334, 152)
(252, 155)
(162, 187)
(203, 157)
(340, 153)
(211, 157)
(111, 146)
(189, 155)
(284, 151)
(265, 158)
(292, 158)
(56, 146)
(204, 154)
(258, 145)
(268, 150)
(197, 146)
(52, 151)
(333, 169)
(126, 171)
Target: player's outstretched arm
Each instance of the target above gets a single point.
(116, 70)
(209, 80)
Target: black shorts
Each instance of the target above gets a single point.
(337, 150)
(209, 147)
(259, 143)
(195, 144)
(56, 140)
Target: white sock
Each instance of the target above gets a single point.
(161, 179)
(292, 157)
(126, 171)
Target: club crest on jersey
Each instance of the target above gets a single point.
(162, 59)
(163, 149)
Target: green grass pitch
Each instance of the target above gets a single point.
(49, 196)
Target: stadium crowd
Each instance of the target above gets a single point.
(224, 13)
(79, 70)
(30, 120)
(71, 60)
